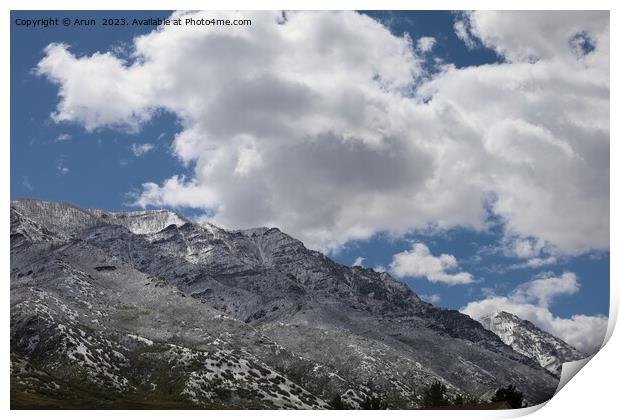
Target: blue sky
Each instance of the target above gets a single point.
(97, 176)
(102, 167)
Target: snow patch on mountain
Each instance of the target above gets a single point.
(148, 222)
(62, 219)
(526, 338)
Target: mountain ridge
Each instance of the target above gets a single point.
(327, 329)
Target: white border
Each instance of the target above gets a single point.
(592, 395)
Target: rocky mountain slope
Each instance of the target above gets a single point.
(146, 309)
(526, 338)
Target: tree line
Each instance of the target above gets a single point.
(434, 396)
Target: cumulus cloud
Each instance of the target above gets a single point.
(533, 252)
(359, 262)
(543, 288)
(419, 262)
(555, 36)
(426, 44)
(462, 31)
(140, 149)
(324, 126)
(380, 269)
(523, 247)
(536, 133)
(531, 301)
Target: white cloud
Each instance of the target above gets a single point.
(547, 146)
(95, 91)
(64, 137)
(380, 269)
(335, 144)
(534, 252)
(523, 247)
(434, 298)
(61, 168)
(531, 301)
(553, 37)
(426, 44)
(419, 262)
(359, 262)
(543, 288)
(461, 29)
(141, 149)
(540, 262)
(535, 263)
(176, 192)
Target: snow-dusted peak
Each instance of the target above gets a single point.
(526, 338)
(146, 222)
(214, 230)
(62, 219)
(260, 231)
(65, 219)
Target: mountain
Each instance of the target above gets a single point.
(149, 310)
(526, 338)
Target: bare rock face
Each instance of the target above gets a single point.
(527, 339)
(149, 310)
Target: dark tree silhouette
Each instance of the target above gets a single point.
(337, 404)
(435, 395)
(373, 403)
(511, 395)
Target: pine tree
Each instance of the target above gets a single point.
(511, 395)
(435, 395)
(337, 404)
(373, 403)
